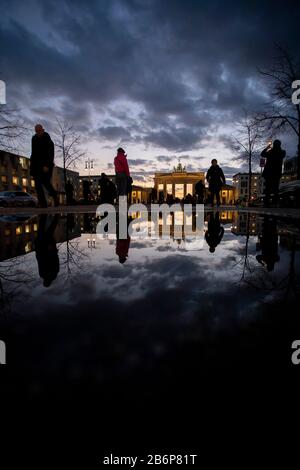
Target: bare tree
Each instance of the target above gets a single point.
(281, 114)
(12, 129)
(248, 139)
(67, 141)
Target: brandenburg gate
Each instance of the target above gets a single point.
(177, 183)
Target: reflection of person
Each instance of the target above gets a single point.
(274, 156)
(108, 190)
(215, 232)
(122, 245)
(45, 249)
(269, 244)
(199, 189)
(42, 164)
(122, 248)
(122, 173)
(216, 179)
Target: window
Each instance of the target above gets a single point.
(15, 180)
(32, 183)
(24, 181)
(19, 230)
(23, 163)
(4, 179)
(160, 187)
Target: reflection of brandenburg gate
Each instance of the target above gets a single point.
(177, 183)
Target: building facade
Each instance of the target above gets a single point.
(15, 176)
(241, 185)
(289, 170)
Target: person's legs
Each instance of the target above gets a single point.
(218, 197)
(121, 181)
(51, 190)
(40, 192)
(212, 196)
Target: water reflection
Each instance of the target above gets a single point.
(249, 246)
(45, 249)
(215, 231)
(131, 306)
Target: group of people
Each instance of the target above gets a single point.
(42, 164)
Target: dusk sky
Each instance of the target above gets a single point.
(165, 79)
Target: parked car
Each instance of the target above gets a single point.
(16, 199)
(289, 194)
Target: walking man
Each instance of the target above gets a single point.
(274, 156)
(42, 164)
(215, 178)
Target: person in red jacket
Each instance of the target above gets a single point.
(122, 172)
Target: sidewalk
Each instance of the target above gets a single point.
(278, 212)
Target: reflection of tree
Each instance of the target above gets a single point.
(244, 261)
(13, 274)
(72, 257)
(257, 271)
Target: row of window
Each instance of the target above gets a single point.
(21, 229)
(16, 180)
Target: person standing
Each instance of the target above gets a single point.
(69, 193)
(199, 189)
(42, 164)
(122, 173)
(274, 156)
(216, 179)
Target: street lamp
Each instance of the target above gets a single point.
(91, 243)
(89, 165)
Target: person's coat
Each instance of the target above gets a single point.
(215, 178)
(42, 154)
(121, 164)
(274, 159)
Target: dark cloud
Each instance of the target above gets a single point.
(114, 133)
(181, 69)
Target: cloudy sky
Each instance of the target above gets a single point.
(163, 78)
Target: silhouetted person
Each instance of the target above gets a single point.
(122, 248)
(199, 189)
(42, 164)
(274, 156)
(215, 232)
(86, 189)
(269, 244)
(45, 249)
(69, 193)
(122, 173)
(216, 179)
(108, 190)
